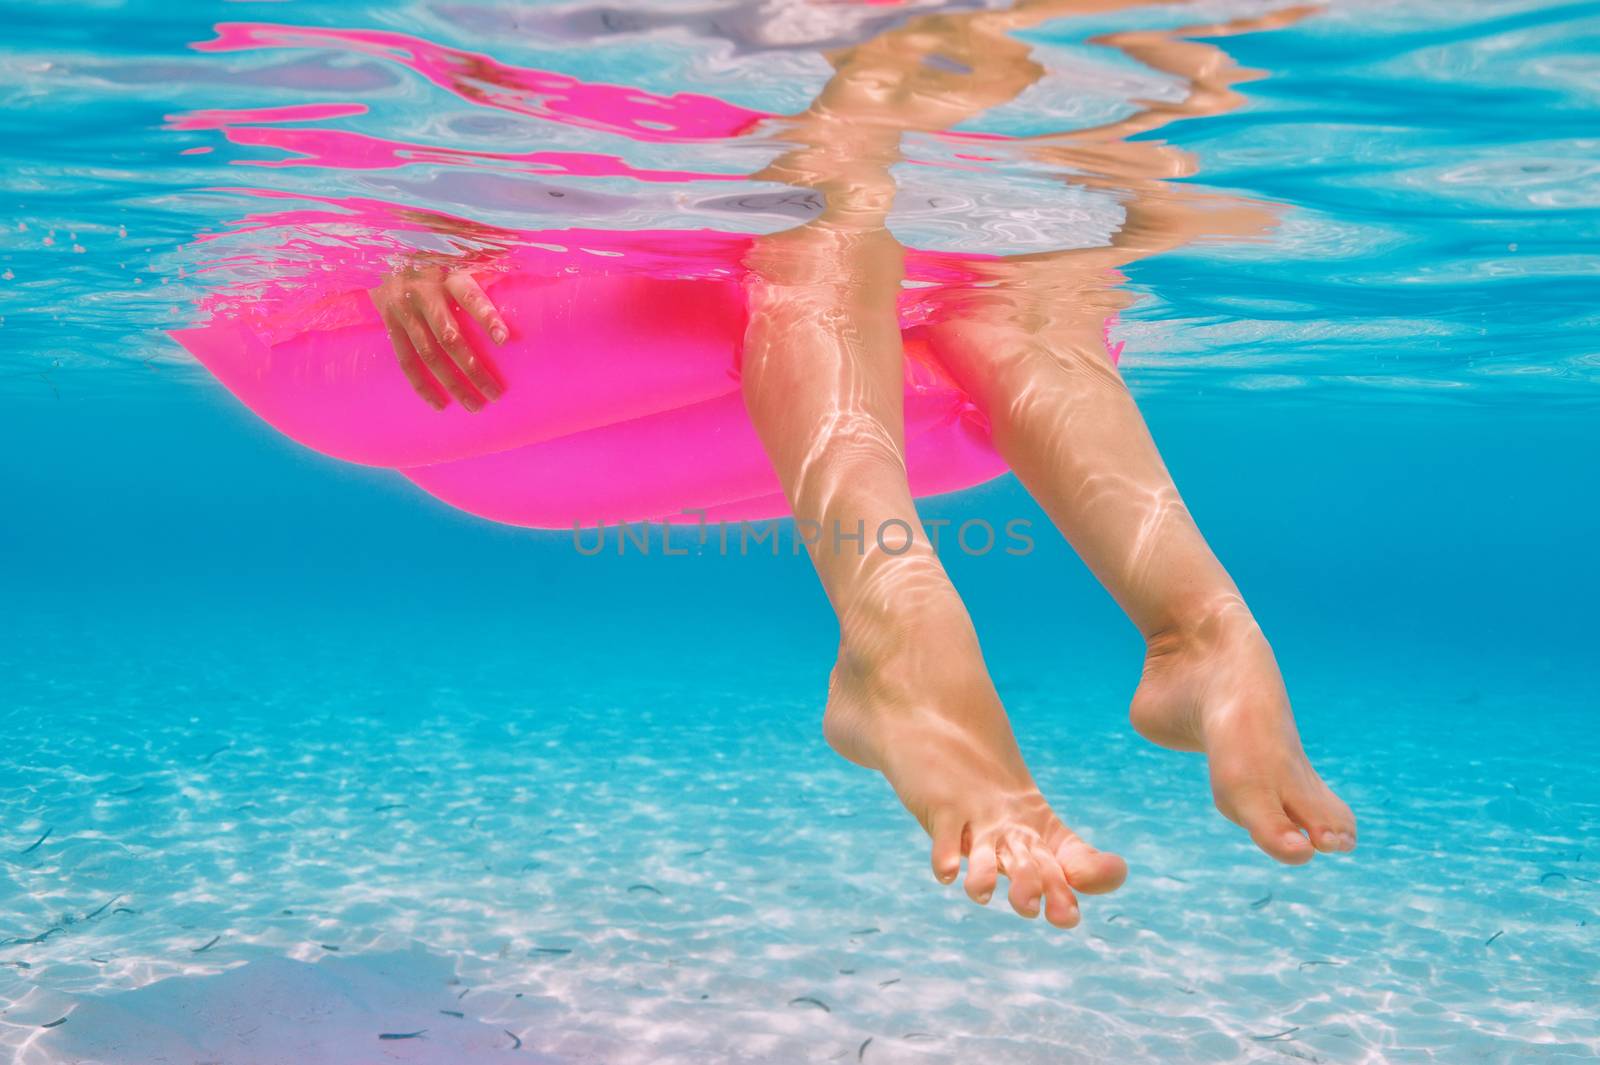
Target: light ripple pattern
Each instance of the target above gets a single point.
(611, 879)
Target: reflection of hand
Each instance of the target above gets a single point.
(415, 305)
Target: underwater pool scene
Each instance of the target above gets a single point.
(309, 757)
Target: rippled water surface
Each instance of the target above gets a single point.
(1431, 167)
(292, 758)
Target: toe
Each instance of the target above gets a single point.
(1324, 816)
(1348, 834)
(1091, 871)
(1262, 815)
(982, 871)
(947, 848)
(1326, 836)
(1060, 905)
(1026, 887)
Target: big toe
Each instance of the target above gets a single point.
(1262, 815)
(1091, 871)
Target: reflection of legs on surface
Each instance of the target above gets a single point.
(1065, 422)
(910, 695)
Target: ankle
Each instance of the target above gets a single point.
(906, 654)
(895, 610)
(1203, 623)
(905, 659)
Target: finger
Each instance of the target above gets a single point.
(433, 357)
(411, 365)
(1060, 904)
(434, 306)
(1016, 858)
(477, 303)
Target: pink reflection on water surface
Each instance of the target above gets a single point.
(482, 80)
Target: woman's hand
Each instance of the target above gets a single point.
(415, 305)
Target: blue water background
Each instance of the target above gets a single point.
(1386, 424)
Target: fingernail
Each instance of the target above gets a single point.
(983, 900)
(1294, 839)
(499, 334)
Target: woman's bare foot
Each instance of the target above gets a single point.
(1214, 686)
(918, 706)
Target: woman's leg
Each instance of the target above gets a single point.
(910, 695)
(1069, 428)
(1030, 350)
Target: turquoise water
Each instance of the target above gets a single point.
(314, 758)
